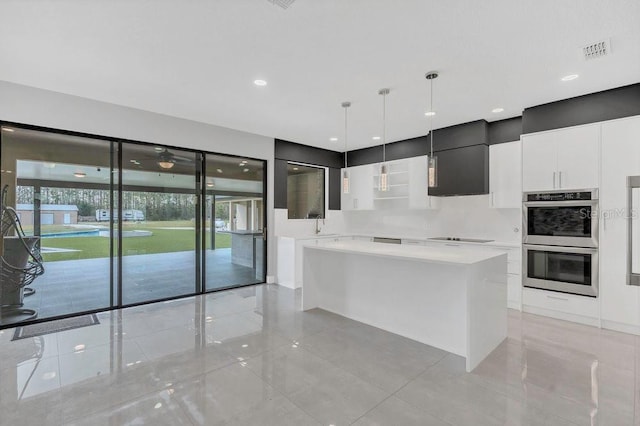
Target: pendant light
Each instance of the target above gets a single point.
(432, 166)
(345, 172)
(383, 177)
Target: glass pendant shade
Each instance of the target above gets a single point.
(383, 178)
(433, 171)
(166, 164)
(345, 181)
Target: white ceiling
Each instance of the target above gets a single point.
(198, 59)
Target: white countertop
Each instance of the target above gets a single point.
(447, 255)
(506, 244)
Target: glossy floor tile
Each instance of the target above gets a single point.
(251, 357)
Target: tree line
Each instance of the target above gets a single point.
(155, 205)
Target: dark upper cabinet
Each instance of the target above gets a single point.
(462, 171)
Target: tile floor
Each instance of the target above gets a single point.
(250, 357)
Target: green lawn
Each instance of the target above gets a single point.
(161, 241)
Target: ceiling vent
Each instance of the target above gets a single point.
(282, 3)
(597, 50)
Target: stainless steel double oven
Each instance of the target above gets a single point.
(560, 241)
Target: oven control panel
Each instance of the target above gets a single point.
(560, 196)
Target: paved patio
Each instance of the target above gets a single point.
(81, 285)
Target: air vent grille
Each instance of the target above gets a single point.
(282, 3)
(597, 50)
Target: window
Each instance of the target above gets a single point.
(305, 191)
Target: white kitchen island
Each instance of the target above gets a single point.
(451, 298)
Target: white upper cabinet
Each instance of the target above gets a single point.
(539, 163)
(360, 196)
(561, 159)
(579, 157)
(505, 175)
(418, 183)
(397, 194)
(407, 180)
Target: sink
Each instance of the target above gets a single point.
(462, 240)
(326, 235)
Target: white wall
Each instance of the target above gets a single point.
(29, 105)
(468, 217)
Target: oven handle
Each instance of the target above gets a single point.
(560, 203)
(633, 278)
(560, 249)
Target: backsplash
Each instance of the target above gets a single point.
(468, 217)
(283, 226)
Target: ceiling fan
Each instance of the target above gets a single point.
(167, 159)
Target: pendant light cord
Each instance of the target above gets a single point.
(384, 126)
(345, 135)
(431, 118)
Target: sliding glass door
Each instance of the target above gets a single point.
(159, 218)
(91, 224)
(53, 185)
(235, 219)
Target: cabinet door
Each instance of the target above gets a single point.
(539, 163)
(462, 171)
(505, 175)
(620, 158)
(578, 157)
(362, 187)
(418, 184)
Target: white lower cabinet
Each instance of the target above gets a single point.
(568, 307)
(514, 276)
(291, 257)
(514, 291)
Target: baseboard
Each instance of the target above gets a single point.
(621, 327)
(561, 315)
(514, 305)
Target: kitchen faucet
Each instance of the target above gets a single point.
(318, 224)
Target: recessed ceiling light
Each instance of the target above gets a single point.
(259, 82)
(8, 129)
(430, 113)
(376, 138)
(333, 139)
(80, 174)
(157, 148)
(219, 170)
(497, 110)
(210, 184)
(569, 77)
(245, 170)
(295, 168)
